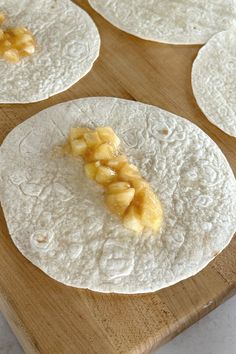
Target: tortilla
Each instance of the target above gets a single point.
(169, 21)
(214, 80)
(68, 43)
(57, 217)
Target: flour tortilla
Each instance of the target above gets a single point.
(57, 217)
(67, 45)
(214, 80)
(169, 21)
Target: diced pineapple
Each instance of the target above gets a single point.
(92, 139)
(6, 43)
(23, 38)
(105, 175)
(117, 187)
(11, 55)
(127, 193)
(91, 169)
(89, 156)
(117, 162)
(119, 202)
(107, 135)
(104, 152)
(29, 49)
(78, 147)
(150, 209)
(129, 173)
(76, 133)
(15, 43)
(18, 31)
(151, 218)
(139, 184)
(132, 220)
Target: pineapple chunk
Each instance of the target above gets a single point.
(129, 173)
(23, 39)
(78, 147)
(104, 152)
(119, 202)
(76, 133)
(117, 187)
(89, 156)
(28, 50)
(6, 44)
(92, 139)
(91, 169)
(149, 207)
(139, 185)
(107, 135)
(132, 220)
(105, 175)
(18, 31)
(11, 55)
(117, 162)
(15, 43)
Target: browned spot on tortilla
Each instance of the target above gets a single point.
(164, 131)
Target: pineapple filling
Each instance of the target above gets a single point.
(15, 43)
(127, 194)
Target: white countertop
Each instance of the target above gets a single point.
(214, 334)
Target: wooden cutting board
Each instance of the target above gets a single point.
(50, 318)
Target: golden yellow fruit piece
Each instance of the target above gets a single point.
(117, 162)
(78, 147)
(105, 175)
(119, 202)
(131, 220)
(91, 169)
(129, 173)
(23, 39)
(139, 184)
(117, 187)
(92, 139)
(19, 31)
(104, 152)
(11, 55)
(76, 133)
(127, 193)
(6, 44)
(89, 156)
(16, 43)
(149, 208)
(28, 49)
(107, 135)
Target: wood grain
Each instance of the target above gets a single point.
(48, 317)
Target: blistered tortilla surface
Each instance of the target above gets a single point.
(67, 45)
(169, 21)
(214, 80)
(57, 217)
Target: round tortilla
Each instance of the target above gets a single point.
(57, 217)
(214, 80)
(169, 21)
(68, 43)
